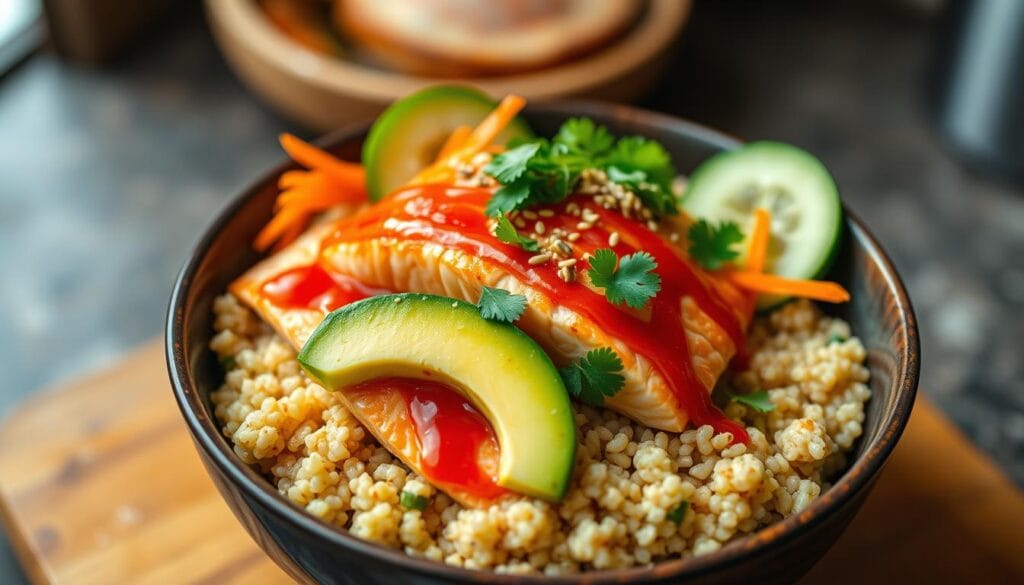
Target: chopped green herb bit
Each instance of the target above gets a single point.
(677, 514)
(631, 280)
(595, 376)
(506, 232)
(412, 501)
(500, 305)
(228, 363)
(542, 171)
(759, 400)
(835, 338)
(712, 246)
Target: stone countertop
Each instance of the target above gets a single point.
(110, 175)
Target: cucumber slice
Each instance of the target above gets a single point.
(408, 135)
(790, 183)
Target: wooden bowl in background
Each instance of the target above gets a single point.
(325, 92)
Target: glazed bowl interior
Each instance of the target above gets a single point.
(880, 315)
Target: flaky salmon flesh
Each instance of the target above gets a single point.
(424, 266)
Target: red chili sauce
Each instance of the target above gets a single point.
(312, 287)
(457, 445)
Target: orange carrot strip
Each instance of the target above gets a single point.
(312, 157)
(817, 290)
(289, 179)
(757, 255)
(455, 141)
(276, 227)
(480, 138)
(494, 123)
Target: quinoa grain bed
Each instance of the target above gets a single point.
(630, 484)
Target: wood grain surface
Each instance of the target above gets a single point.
(100, 483)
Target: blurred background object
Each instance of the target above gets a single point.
(978, 83)
(327, 64)
(111, 171)
(94, 31)
(21, 31)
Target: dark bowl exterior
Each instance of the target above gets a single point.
(314, 552)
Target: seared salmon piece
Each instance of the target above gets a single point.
(420, 265)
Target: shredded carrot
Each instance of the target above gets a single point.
(312, 157)
(478, 140)
(494, 123)
(817, 290)
(289, 179)
(455, 141)
(757, 254)
(305, 193)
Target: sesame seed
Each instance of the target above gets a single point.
(674, 237)
(613, 239)
(564, 248)
(398, 300)
(652, 225)
(590, 216)
(519, 223)
(546, 213)
(539, 259)
(529, 214)
(569, 262)
(455, 304)
(539, 227)
(583, 226)
(574, 236)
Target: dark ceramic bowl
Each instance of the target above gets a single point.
(312, 551)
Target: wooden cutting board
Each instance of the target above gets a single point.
(99, 483)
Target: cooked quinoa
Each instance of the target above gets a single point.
(629, 483)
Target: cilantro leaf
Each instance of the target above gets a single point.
(506, 232)
(413, 501)
(500, 305)
(759, 401)
(712, 246)
(508, 197)
(636, 153)
(594, 377)
(581, 136)
(677, 514)
(634, 282)
(511, 164)
(534, 172)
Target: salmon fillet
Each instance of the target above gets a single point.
(424, 266)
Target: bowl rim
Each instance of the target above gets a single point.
(857, 477)
(654, 31)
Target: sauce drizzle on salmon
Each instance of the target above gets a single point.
(457, 446)
(312, 287)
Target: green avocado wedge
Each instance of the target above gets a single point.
(408, 135)
(502, 372)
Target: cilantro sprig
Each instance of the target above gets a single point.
(506, 232)
(545, 172)
(496, 304)
(594, 377)
(759, 401)
(630, 280)
(712, 246)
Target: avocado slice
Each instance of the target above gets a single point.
(497, 367)
(406, 138)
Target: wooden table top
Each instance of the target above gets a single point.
(100, 483)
